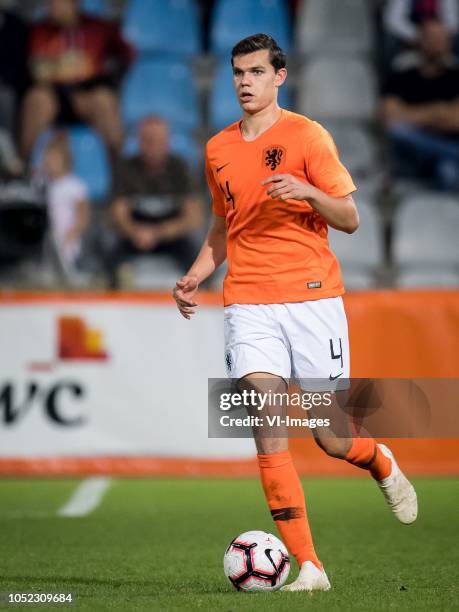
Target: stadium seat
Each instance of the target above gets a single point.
(90, 159)
(426, 232)
(337, 89)
(154, 272)
(236, 19)
(162, 87)
(91, 162)
(361, 253)
(334, 28)
(223, 105)
(96, 7)
(356, 147)
(182, 143)
(163, 26)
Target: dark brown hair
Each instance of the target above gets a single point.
(258, 42)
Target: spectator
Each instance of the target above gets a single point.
(155, 208)
(403, 18)
(421, 110)
(10, 165)
(13, 72)
(75, 61)
(67, 200)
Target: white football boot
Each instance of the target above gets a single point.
(398, 491)
(310, 578)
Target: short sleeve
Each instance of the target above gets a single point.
(218, 203)
(323, 167)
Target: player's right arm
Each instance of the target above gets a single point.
(211, 256)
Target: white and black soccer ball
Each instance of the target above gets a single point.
(256, 561)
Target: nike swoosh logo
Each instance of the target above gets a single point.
(268, 552)
(221, 167)
(335, 377)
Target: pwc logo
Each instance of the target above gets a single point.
(60, 398)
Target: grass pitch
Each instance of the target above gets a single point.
(158, 545)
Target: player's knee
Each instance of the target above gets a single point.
(271, 446)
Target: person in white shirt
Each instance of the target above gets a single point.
(402, 20)
(67, 198)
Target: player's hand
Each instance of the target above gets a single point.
(183, 294)
(287, 187)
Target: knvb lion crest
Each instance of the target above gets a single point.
(273, 156)
(229, 362)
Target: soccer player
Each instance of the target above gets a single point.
(277, 183)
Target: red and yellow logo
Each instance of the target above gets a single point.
(77, 340)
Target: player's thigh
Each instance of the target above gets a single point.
(254, 342)
(318, 334)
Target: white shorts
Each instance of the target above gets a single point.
(305, 341)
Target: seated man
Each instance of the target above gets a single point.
(155, 206)
(75, 60)
(421, 111)
(402, 18)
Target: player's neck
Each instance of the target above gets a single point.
(253, 126)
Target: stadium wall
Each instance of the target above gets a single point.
(118, 383)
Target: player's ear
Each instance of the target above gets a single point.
(280, 77)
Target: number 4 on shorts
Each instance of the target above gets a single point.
(336, 355)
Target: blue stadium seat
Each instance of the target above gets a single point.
(91, 162)
(182, 143)
(223, 105)
(236, 19)
(90, 158)
(100, 8)
(160, 87)
(165, 26)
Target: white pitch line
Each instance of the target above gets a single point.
(86, 497)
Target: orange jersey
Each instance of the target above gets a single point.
(277, 250)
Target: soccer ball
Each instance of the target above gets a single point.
(256, 561)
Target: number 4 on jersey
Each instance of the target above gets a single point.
(228, 195)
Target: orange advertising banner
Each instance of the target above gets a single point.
(399, 334)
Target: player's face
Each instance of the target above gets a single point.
(256, 81)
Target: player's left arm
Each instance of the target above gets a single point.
(339, 213)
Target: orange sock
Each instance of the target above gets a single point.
(285, 498)
(366, 454)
